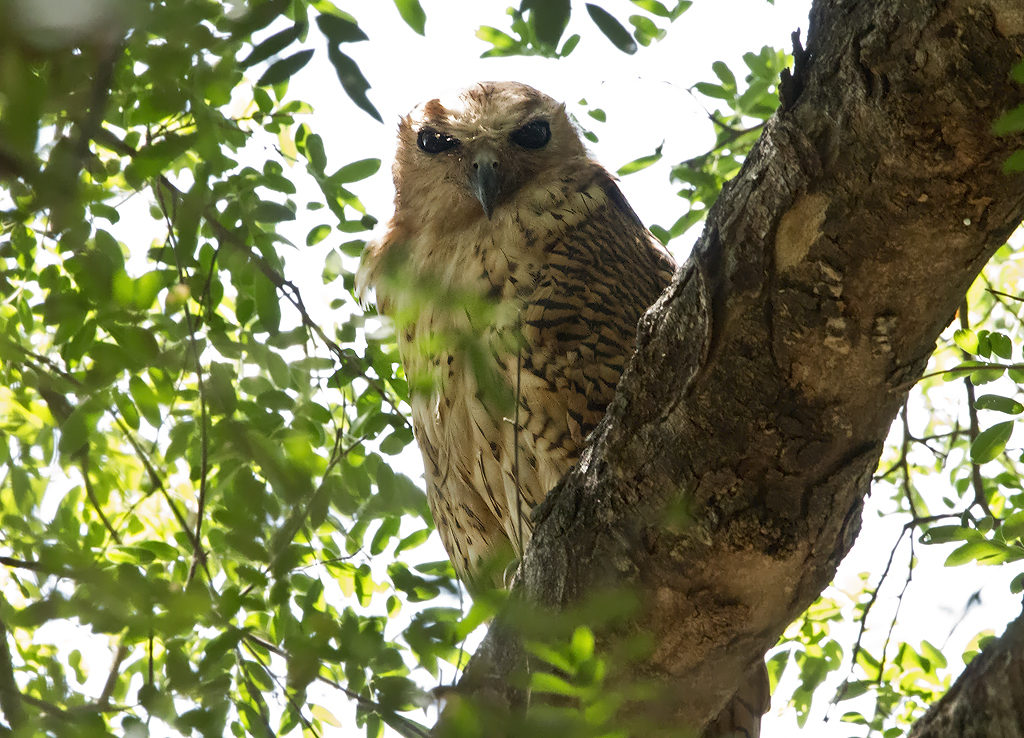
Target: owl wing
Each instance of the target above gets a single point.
(578, 326)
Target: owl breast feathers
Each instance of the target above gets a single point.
(516, 273)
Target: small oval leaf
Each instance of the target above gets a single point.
(283, 69)
(991, 442)
(611, 28)
(1000, 404)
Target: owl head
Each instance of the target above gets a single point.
(467, 157)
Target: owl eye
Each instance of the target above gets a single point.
(434, 142)
(533, 135)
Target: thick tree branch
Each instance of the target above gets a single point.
(768, 374)
(988, 698)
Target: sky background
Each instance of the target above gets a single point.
(648, 100)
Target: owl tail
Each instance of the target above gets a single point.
(741, 717)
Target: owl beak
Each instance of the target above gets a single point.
(484, 182)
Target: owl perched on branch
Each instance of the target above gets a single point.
(516, 272)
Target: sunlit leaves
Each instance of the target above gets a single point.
(641, 163)
(737, 127)
(659, 9)
(173, 395)
(412, 13)
(991, 442)
(539, 25)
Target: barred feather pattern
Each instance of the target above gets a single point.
(537, 303)
(577, 273)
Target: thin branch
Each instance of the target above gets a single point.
(10, 696)
(115, 667)
(90, 493)
(977, 483)
(857, 646)
(291, 700)
(198, 554)
(22, 564)
(904, 464)
(287, 288)
(895, 615)
(354, 696)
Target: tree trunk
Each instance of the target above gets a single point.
(988, 698)
(726, 483)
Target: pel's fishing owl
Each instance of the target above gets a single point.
(514, 269)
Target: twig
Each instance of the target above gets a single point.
(904, 464)
(287, 288)
(355, 696)
(90, 493)
(895, 615)
(108, 687)
(291, 700)
(22, 564)
(198, 554)
(857, 646)
(10, 696)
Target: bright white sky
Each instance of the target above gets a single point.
(647, 100)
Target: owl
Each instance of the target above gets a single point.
(515, 272)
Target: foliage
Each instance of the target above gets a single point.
(538, 26)
(197, 475)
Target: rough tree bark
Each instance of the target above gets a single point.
(987, 700)
(768, 374)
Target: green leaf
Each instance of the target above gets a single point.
(503, 43)
(1001, 345)
(967, 340)
(145, 400)
(155, 158)
(272, 212)
(340, 30)
(581, 646)
(984, 552)
(1014, 162)
(272, 45)
(74, 431)
(715, 91)
(1009, 122)
(352, 80)
(547, 683)
(947, 533)
(991, 442)
(986, 375)
(642, 163)
(1012, 528)
(412, 13)
(317, 234)
(1017, 585)
(313, 147)
(611, 28)
(356, 171)
(722, 71)
(268, 306)
(549, 19)
(656, 8)
(569, 45)
(645, 31)
(283, 69)
(1000, 404)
